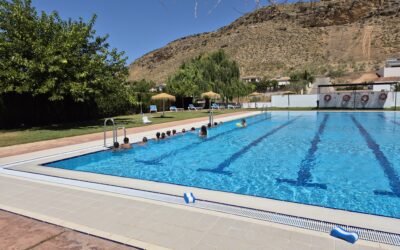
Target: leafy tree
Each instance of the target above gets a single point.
(266, 85)
(187, 81)
(138, 92)
(397, 86)
(274, 84)
(45, 57)
(213, 71)
(262, 86)
(300, 80)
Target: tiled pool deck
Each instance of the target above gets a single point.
(153, 224)
(19, 232)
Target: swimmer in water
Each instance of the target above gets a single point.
(203, 131)
(116, 147)
(143, 142)
(126, 144)
(244, 123)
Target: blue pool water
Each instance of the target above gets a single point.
(341, 160)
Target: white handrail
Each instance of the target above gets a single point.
(105, 131)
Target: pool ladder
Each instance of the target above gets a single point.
(211, 117)
(264, 110)
(115, 129)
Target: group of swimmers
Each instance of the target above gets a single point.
(202, 133)
(127, 145)
(164, 135)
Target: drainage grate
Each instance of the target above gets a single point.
(311, 224)
(290, 220)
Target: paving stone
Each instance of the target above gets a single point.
(73, 240)
(19, 232)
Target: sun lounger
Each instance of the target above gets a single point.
(146, 120)
(153, 108)
(173, 108)
(215, 106)
(233, 106)
(192, 107)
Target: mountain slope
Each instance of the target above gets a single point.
(355, 35)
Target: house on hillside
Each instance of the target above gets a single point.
(282, 81)
(391, 69)
(388, 74)
(158, 88)
(251, 79)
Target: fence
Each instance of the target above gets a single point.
(310, 101)
(301, 101)
(252, 105)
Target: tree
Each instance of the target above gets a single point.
(46, 55)
(213, 71)
(187, 81)
(300, 80)
(139, 92)
(262, 86)
(274, 84)
(46, 58)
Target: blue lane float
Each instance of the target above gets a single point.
(340, 233)
(189, 197)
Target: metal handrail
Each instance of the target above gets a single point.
(105, 131)
(211, 117)
(116, 132)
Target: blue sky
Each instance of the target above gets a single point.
(140, 26)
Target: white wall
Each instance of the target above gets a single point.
(391, 72)
(355, 100)
(252, 105)
(301, 101)
(283, 83)
(392, 100)
(386, 87)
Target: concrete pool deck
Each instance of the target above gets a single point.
(153, 224)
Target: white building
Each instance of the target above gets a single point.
(388, 74)
(158, 88)
(282, 81)
(251, 79)
(391, 69)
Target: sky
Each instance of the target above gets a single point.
(140, 26)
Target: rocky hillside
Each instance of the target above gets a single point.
(351, 35)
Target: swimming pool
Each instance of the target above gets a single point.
(341, 160)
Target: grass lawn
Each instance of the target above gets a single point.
(19, 136)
